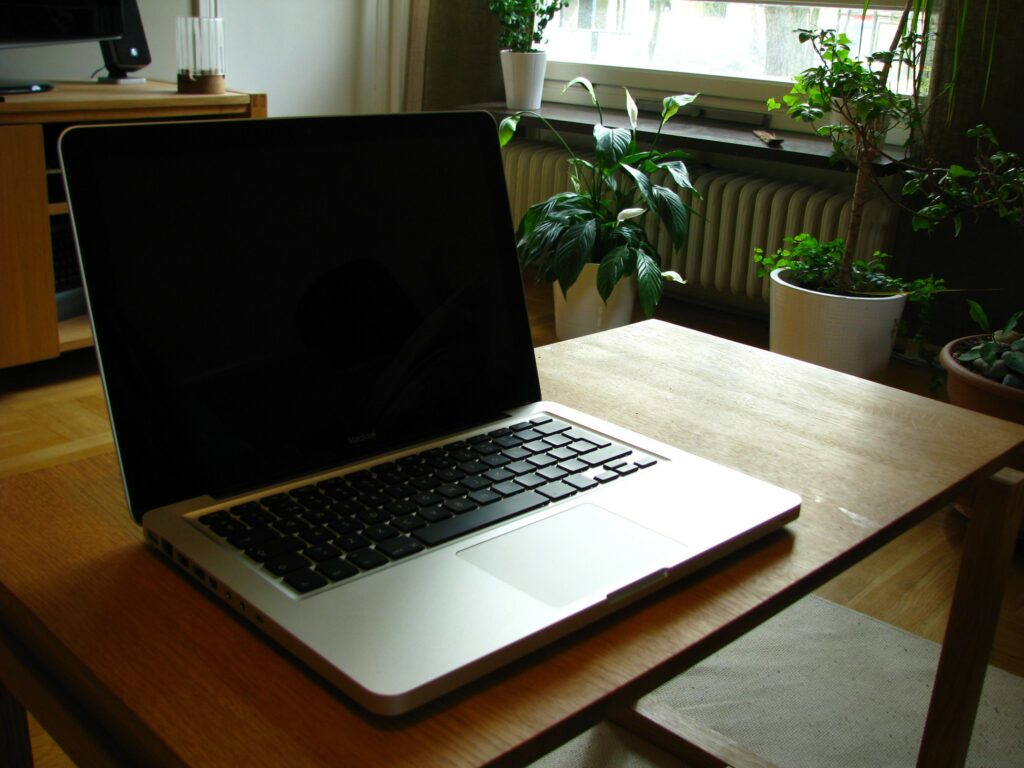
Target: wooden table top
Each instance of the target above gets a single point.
(179, 680)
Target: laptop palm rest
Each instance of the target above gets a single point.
(583, 553)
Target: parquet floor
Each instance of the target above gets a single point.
(54, 412)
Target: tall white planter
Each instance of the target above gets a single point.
(524, 78)
(582, 312)
(852, 334)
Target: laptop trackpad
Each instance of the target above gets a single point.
(583, 552)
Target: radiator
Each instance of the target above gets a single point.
(735, 213)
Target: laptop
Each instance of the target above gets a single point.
(315, 350)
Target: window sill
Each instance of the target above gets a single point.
(699, 134)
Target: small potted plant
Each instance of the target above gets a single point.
(985, 372)
(522, 64)
(595, 234)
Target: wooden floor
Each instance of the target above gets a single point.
(54, 412)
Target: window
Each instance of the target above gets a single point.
(736, 54)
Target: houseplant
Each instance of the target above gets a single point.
(827, 305)
(522, 65)
(598, 226)
(985, 372)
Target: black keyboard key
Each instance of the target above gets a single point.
(607, 476)
(646, 461)
(321, 552)
(282, 565)
(316, 536)
(480, 518)
(474, 482)
(337, 569)
(573, 466)
(551, 427)
(434, 514)
(557, 490)
(484, 496)
(606, 454)
(552, 473)
(499, 475)
(346, 526)
(508, 488)
(290, 525)
(381, 532)
(352, 542)
(400, 547)
(460, 506)
(407, 523)
(542, 460)
(252, 537)
(305, 580)
(531, 480)
(366, 559)
(274, 547)
(581, 482)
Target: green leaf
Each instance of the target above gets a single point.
(1012, 322)
(978, 314)
(680, 174)
(507, 128)
(574, 249)
(615, 264)
(610, 145)
(959, 172)
(642, 183)
(648, 282)
(1014, 361)
(772, 104)
(672, 212)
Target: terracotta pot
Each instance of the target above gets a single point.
(968, 389)
(976, 392)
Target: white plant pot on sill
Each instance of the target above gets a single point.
(524, 78)
(582, 312)
(852, 334)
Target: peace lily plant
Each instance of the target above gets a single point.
(601, 220)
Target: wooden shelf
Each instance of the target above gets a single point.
(30, 196)
(74, 333)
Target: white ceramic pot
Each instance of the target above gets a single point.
(524, 78)
(852, 334)
(582, 312)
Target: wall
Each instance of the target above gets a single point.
(301, 53)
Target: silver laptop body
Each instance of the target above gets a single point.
(317, 359)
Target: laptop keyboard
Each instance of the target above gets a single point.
(319, 534)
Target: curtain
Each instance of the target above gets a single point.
(383, 49)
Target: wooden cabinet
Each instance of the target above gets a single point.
(33, 214)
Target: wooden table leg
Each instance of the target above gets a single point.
(995, 516)
(15, 746)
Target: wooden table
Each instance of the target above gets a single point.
(122, 659)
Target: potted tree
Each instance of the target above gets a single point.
(827, 305)
(591, 242)
(522, 64)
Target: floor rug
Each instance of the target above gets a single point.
(818, 685)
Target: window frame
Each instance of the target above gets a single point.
(744, 98)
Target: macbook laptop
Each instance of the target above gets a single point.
(314, 345)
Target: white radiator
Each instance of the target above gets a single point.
(735, 214)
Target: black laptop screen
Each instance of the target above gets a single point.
(272, 298)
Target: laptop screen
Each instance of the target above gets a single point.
(272, 298)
